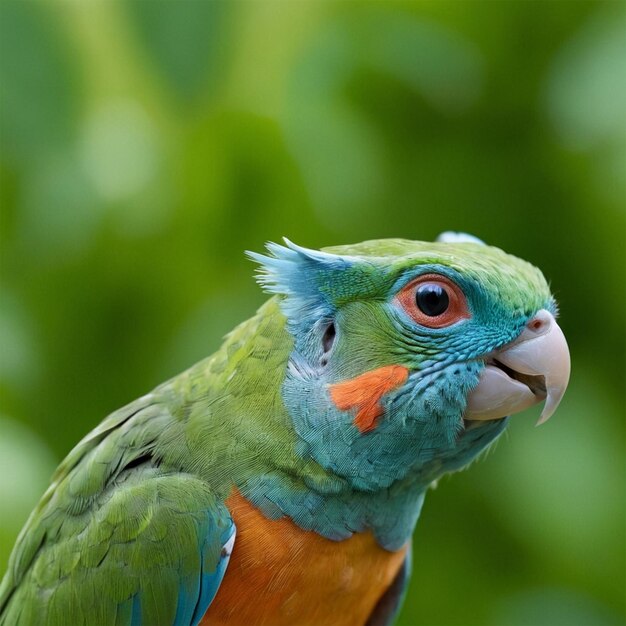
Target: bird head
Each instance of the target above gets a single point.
(408, 356)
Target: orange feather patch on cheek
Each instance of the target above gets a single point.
(364, 392)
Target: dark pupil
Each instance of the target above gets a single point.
(432, 300)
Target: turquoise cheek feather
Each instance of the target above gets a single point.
(388, 470)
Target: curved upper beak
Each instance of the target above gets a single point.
(535, 367)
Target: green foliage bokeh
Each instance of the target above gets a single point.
(146, 145)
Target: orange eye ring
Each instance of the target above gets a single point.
(443, 294)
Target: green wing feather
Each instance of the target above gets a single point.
(117, 539)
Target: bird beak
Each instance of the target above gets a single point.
(533, 368)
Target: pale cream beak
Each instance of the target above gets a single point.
(533, 368)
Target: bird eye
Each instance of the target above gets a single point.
(434, 301)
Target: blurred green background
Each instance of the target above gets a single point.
(146, 145)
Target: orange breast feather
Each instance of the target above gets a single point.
(281, 575)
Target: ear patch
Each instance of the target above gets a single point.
(364, 393)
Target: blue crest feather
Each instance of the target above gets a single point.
(307, 278)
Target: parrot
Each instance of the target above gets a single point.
(278, 482)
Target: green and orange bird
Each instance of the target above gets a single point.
(278, 482)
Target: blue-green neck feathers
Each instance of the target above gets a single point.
(420, 433)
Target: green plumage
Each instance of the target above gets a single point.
(130, 501)
(136, 514)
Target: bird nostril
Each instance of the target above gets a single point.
(540, 323)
